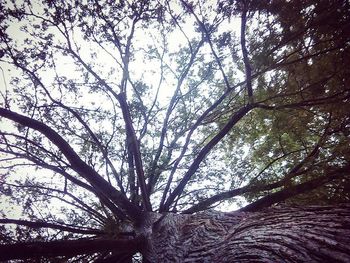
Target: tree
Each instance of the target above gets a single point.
(124, 124)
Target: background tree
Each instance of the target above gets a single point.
(125, 122)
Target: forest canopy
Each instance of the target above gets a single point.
(110, 109)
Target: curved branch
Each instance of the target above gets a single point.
(39, 224)
(76, 162)
(71, 178)
(189, 135)
(94, 137)
(293, 172)
(79, 118)
(171, 107)
(295, 190)
(68, 248)
(205, 150)
(235, 192)
(248, 68)
(37, 161)
(80, 204)
(135, 149)
(208, 38)
(127, 119)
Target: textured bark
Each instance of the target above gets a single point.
(280, 234)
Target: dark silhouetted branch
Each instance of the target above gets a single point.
(206, 149)
(39, 224)
(76, 162)
(248, 68)
(171, 107)
(295, 190)
(135, 149)
(67, 248)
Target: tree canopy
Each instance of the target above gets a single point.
(114, 109)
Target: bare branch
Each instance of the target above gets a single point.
(205, 150)
(171, 106)
(135, 148)
(208, 38)
(40, 224)
(121, 98)
(76, 162)
(293, 172)
(292, 191)
(68, 248)
(248, 69)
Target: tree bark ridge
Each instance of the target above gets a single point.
(279, 234)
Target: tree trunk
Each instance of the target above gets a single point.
(279, 234)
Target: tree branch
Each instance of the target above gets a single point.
(76, 162)
(205, 150)
(248, 69)
(293, 172)
(208, 38)
(80, 203)
(67, 248)
(39, 224)
(171, 106)
(121, 98)
(295, 190)
(199, 120)
(135, 148)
